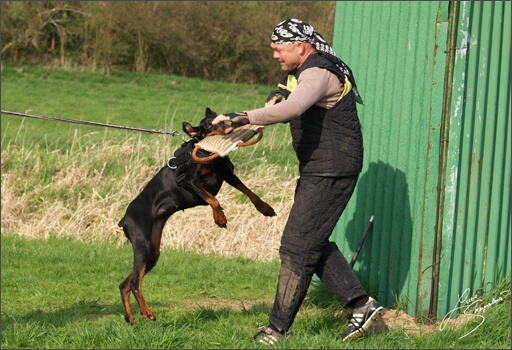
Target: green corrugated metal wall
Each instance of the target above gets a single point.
(398, 53)
(476, 226)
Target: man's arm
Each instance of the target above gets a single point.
(312, 88)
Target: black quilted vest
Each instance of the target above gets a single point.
(328, 142)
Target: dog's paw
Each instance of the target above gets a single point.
(222, 223)
(129, 319)
(265, 209)
(220, 218)
(148, 314)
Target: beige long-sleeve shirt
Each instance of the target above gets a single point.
(316, 86)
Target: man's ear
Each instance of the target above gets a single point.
(301, 48)
(304, 47)
(189, 129)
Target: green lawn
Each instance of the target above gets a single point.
(60, 293)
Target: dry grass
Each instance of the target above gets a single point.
(84, 201)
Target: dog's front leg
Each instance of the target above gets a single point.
(218, 214)
(260, 205)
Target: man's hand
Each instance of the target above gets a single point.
(273, 98)
(219, 119)
(237, 119)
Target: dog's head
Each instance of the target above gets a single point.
(206, 128)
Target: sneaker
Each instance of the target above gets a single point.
(361, 319)
(268, 336)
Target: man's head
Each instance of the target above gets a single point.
(293, 30)
(292, 56)
(294, 40)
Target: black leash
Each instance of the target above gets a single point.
(76, 121)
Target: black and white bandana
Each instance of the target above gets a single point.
(294, 30)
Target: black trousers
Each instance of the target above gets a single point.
(306, 250)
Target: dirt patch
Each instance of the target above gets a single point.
(399, 320)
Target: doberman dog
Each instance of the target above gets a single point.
(181, 184)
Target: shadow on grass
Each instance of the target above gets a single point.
(90, 310)
(95, 310)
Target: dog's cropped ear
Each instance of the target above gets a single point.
(209, 113)
(189, 129)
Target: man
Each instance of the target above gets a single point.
(318, 98)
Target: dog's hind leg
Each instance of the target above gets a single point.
(145, 260)
(146, 251)
(125, 287)
(133, 284)
(125, 290)
(136, 286)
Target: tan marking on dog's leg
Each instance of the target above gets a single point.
(145, 311)
(125, 296)
(218, 215)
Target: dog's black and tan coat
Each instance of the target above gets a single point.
(147, 214)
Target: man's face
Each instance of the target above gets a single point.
(287, 55)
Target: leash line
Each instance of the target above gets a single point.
(84, 122)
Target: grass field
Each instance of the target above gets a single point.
(65, 186)
(61, 293)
